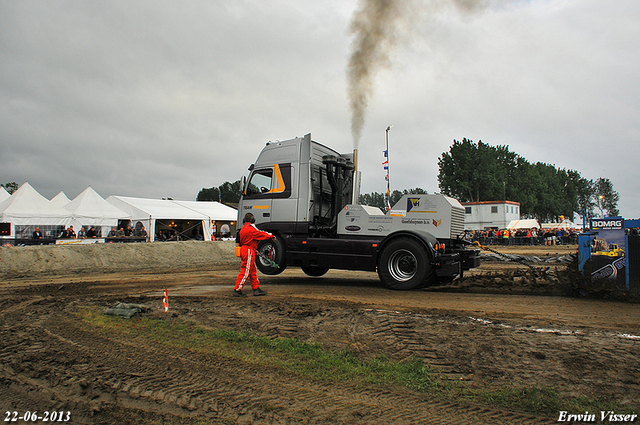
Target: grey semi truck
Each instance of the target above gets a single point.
(306, 194)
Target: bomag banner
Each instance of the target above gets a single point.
(608, 250)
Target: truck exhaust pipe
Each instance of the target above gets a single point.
(342, 179)
(332, 164)
(354, 189)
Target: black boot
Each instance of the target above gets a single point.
(238, 293)
(258, 292)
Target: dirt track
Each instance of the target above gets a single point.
(467, 332)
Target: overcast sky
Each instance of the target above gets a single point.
(162, 98)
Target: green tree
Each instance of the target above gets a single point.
(376, 199)
(208, 194)
(395, 197)
(472, 172)
(10, 187)
(606, 198)
(570, 180)
(586, 195)
(373, 199)
(523, 188)
(230, 192)
(227, 193)
(546, 190)
(459, 175)
(416, 191)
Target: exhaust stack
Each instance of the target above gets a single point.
(355, 191)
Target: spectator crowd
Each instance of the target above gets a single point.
(91, 232)
(533, 236)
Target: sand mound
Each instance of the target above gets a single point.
(31, 261)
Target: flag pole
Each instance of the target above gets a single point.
(386, 152)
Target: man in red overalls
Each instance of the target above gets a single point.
(248, 238)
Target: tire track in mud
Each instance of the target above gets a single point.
(524, 353)
(398, 331)
(405, 340)
(89, 372)
(183, 396)
(575, 361)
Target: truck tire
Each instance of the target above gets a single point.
(314, 271)
(273, 249)
(405, 264)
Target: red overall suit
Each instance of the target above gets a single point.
(249, 237)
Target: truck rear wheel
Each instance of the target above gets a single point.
(314, 271)
(405, 264)
(273, 250)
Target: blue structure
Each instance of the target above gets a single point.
(631, 224)
(584, 248)
(585, 242)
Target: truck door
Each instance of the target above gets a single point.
(266, 189)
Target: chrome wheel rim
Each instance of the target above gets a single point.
(268, 250)
(403, 265)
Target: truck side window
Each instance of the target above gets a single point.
(260, 182)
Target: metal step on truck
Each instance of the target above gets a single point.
(306, 194)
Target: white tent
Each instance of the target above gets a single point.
(215, 210)
(152, 212)
(26, 207)
(3, 194)
(564, 224)
(90, 209)
(523, 224)
(61, 199)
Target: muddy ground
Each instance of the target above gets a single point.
(503, 325)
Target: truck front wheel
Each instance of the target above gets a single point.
(273, 250)
(404, 264)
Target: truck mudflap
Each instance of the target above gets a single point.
(447, 265)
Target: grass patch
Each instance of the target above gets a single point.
(310, 360)
(542, 400)
(288, 354)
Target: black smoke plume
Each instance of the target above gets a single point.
(377, 26)
(374, 26)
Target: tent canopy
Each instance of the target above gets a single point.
(61, 199)
(27, 207)
(159, 209)
(90, 209)
(215, 210)
(523, 224)
(3, 194)
(564, 224)
(148, 211)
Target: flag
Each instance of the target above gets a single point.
(385, 153)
